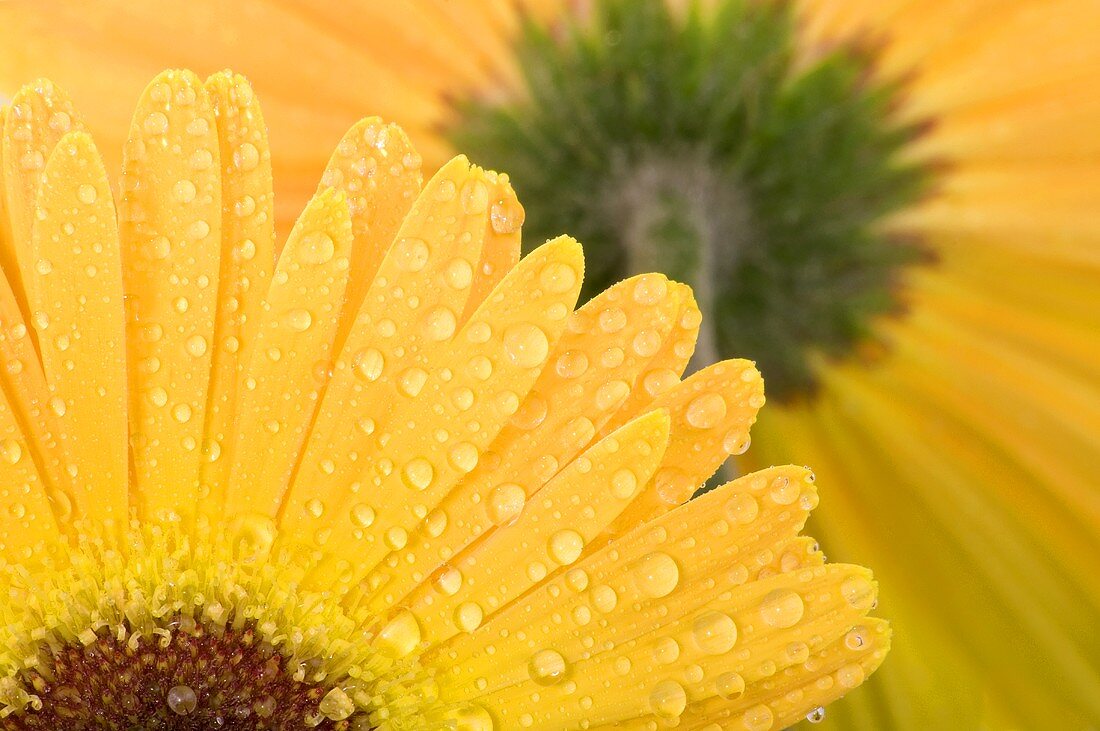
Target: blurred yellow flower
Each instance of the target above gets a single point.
(960, 436)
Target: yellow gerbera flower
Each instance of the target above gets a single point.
(388, 479)
(961, 423)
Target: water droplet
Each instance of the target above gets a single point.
(858, 591)
(743, 508)
(201, 159)
(714, 632)
(246, 157)
(657, 574)
(11, 451)
(624, 483)
(410, 255)
(604, 598)
(850, 676)
(362, 515)
(463, 457)
(547, 667)
(468, 616)
(298, 319)
(196, 345)
(475, 196)
(412, 381)
(526, 345)
(156, 123)
(729, 685)
(566, 546)
(182, 700)
(400, 636)
(157, 396)
(650, 289)
(368, 364)
(506, 216)
(184, 191)
(706, 410)
(668, 699)
(758, 718)
(87, 194)
(817, 715)
(611, 394)
(571, 364)
(316, 247)
(181, 413)
(440, 324)
(445, 190)
(418, 473)
(336, 705)
(781, 608)
(505, 503)
(459, 274)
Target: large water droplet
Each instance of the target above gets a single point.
(668, 699)
(400, 636)
(706, 410)
(547, 667)
(781, 608)
(316, 247)
(505, 503)
(418, 473)
(657, 574)
(714, 632)
(526, 345)
(566, 546)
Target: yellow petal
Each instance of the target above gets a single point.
(247, 245)
(76, 296)
(39, 115)
(290, 356)
(170, 214)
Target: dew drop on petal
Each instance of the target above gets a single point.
(526, 345)
(758, 718)
(705, 411)
(547, 667)
(714, 632)
(505, 503)
(418, 473)
(566, 546)
(316, 247)
(729, 685)
(657, 574)
(668, 699)
(781, 608)
(400, 636)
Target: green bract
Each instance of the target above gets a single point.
(691, 142)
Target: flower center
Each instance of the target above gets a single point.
(699, 142)
(193, 676)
